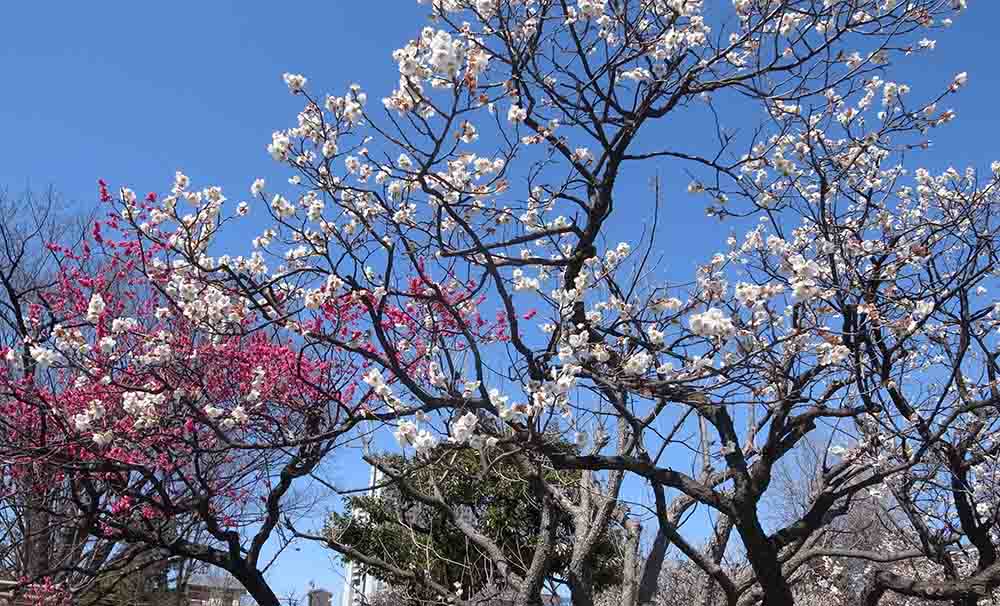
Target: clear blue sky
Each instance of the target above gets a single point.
(131, 91)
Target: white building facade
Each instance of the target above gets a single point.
(360, 588)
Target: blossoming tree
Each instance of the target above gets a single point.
(158, 429)
(33, 544)
(450, 246)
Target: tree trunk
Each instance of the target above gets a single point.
(716, 551)
(630, 576)
(581, 583)
(648, 581)
(530, 594)
(37, 533)
(763, 558)
(964, 591)
(253, 581)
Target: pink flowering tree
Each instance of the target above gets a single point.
(165, 409)
(161, 420)
(34, 544)
(447, 266)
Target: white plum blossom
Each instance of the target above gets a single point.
(81, 422)
(582, 155)
(805, 272)
(923, 309)
(712, 323)
(282, 207)
(638, 74)
(107, 345)
(13, 357)
(123, 325)
(95, 308)
(94, 412)
(296, 82)
(239, 415)
(43, 356)
(379, 386)
(804, 289)
(463, 429)
(638, 363)
(497, 398)
(591, 9)
(446, 54)
(315, 298)
(524, 283)
(486, 8)
(212, 411)
(752, 295)
(960, 80)
(143, 407)
(666, 305)
(408, 435)
(103, 438)
(832, 354)
(516, 113)
(405, 432)
(279, 146)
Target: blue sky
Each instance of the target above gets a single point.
(132, 91)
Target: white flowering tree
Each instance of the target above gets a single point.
(468, 223)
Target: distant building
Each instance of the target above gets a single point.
(319, 597)
(360, 587)
(213, 590)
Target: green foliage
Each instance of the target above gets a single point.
(500, 503)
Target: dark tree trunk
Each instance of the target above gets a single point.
(763, 556)
(253, 581)
(581, 583)
(966, 592)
